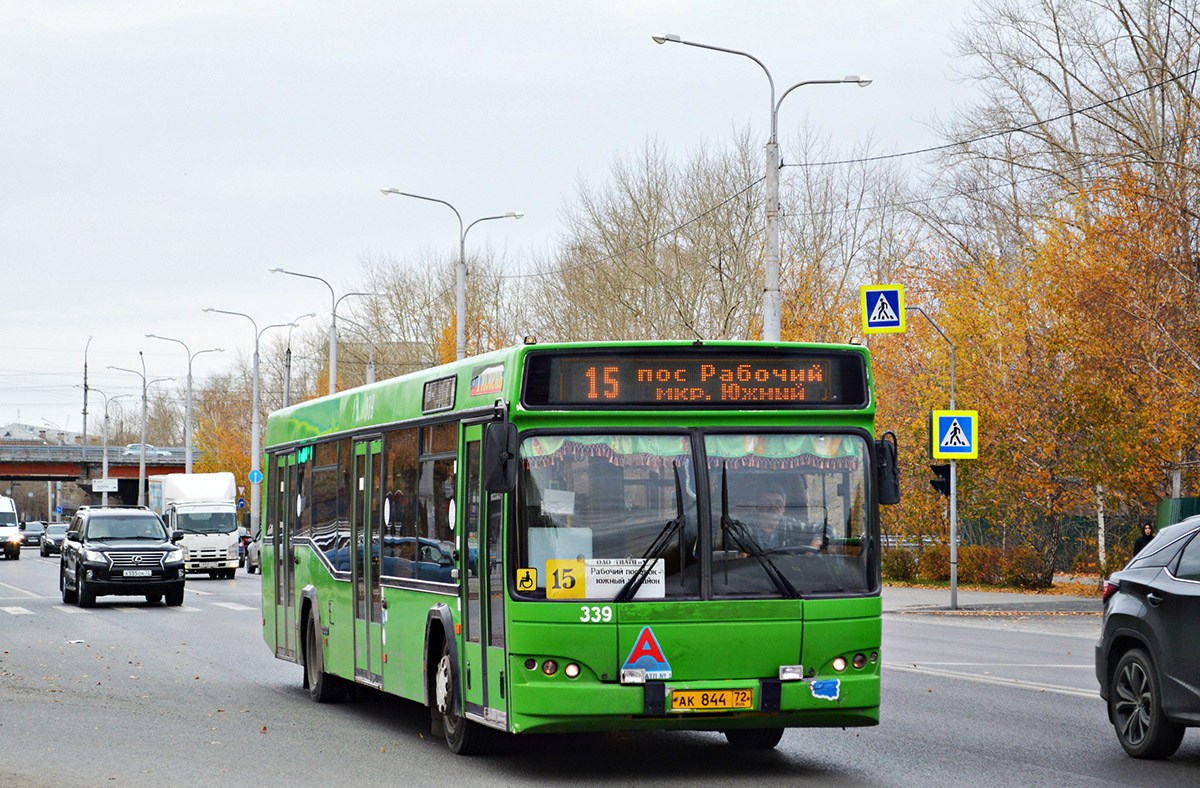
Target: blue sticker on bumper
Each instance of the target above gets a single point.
(828, 689)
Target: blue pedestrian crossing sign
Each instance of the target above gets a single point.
(882, 309)
(954, 434)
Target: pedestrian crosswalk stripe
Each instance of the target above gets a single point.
(17, 611)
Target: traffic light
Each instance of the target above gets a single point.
(941, 480)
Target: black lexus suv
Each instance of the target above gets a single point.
(120, 551)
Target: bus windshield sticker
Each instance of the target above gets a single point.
(601, 578)
(526, 580)
(558, 501)
(827, 689)
(646, 655)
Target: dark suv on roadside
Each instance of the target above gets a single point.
(1148, 655)
(120, 551)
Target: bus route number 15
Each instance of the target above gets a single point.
(595, 613)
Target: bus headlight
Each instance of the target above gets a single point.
(571, 670)
(839, 664)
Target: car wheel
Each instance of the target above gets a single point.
(1135, 706)
(175, 598)
(322, 687)
(753, 738)
(43, 552)
(463, 737)
(68, 596)
(87, 597)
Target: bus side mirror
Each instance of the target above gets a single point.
(500, 457)
(887, 471)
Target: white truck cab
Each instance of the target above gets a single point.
(202, 506)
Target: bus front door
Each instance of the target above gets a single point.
(368, 599)
(283, 483)
(482, 588)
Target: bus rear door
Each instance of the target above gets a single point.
(368, 600)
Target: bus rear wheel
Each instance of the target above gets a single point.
(462, 736)
(754, 738)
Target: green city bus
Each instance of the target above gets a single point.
(589, 537)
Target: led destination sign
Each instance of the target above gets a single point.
(676, 378)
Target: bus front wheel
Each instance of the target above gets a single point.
(754, 738)
(321, 686)
(462, 735)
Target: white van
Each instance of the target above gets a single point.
(10, 530)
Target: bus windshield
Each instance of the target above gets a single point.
(617, 516)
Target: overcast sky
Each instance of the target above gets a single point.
(158, 157)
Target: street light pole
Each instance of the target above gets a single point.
(332, 321)
(255, 434)
(460, 275)
(85, 393)
(187, 436)
(287, 361)
(142, 447)
(771, 302)
(104, 466)
(255, 438)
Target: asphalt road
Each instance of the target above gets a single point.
(127, 694)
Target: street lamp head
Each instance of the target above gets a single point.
(665, 38)
(390, 191)
(515, 214)
(275, 270)
(207, 309)
(862, 82)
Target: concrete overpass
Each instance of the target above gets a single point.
(82, 464)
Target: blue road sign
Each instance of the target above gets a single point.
(241, 503)
(256, 477)
(954, 434)
(882, 309)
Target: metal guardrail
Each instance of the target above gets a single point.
(95, 454)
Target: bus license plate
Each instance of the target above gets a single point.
(711, 700)
(137, 573)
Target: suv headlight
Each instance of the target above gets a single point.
(172, 558)
(95, 557)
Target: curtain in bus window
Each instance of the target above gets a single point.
(788, 509)
(399, 549)
(594, 509)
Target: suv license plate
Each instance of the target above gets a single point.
(137, 573)
(711, 700)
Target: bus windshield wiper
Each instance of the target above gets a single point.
(736, 531)
(657, 548)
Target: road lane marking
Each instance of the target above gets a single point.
(233, 606)
(996, 680)
(21, 591)
(17, 611)
(68, 609)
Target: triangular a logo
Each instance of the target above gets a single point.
(647, 656)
